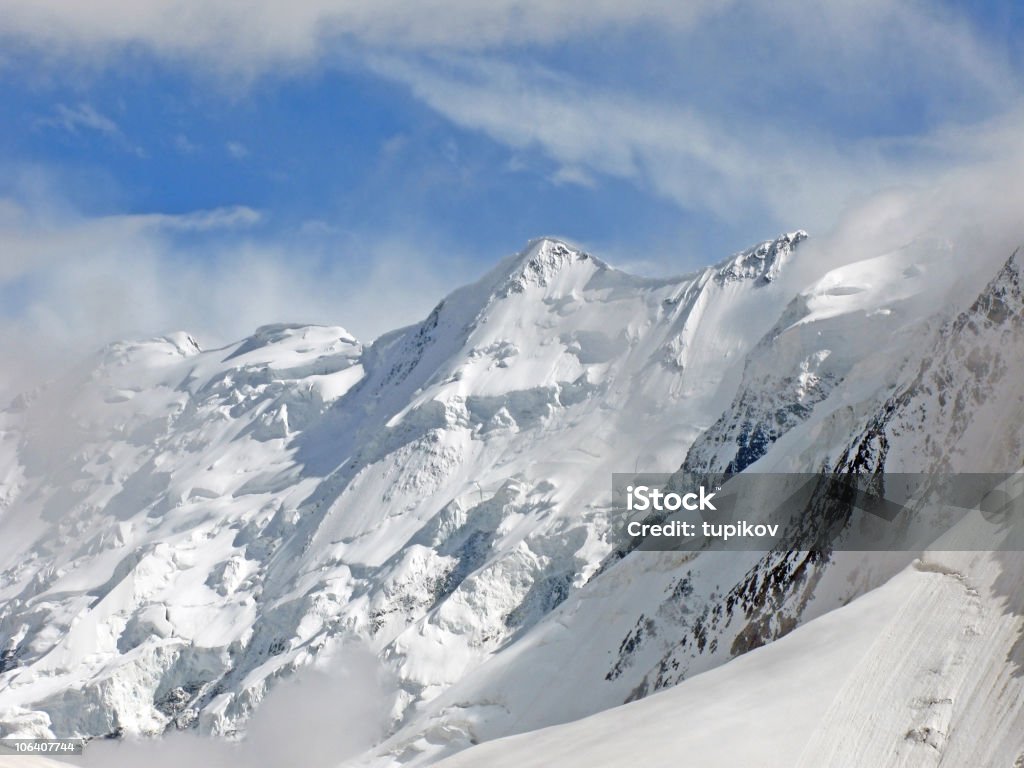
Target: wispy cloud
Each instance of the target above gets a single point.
(259, 35)
(84, 119)
(237, 150)
(973, 203)
(183, 145)
(677, 152)
(749, 133)
(81, 117)
(847, 46)
(71, 282)
(38, 235)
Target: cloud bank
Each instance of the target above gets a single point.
(70, 282)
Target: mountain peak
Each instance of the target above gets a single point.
(541, 261)
(185, 343)
(761, 262)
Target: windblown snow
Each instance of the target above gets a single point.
(183, 529)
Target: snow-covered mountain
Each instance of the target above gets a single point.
(923, 670)
(182, 529)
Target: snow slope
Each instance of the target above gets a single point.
(923, 671)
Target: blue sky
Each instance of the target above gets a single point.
(211, 166)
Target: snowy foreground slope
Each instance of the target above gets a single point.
(923, 671)
(183, 529)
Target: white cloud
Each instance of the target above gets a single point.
(38, 235)
(677, 152)
(237, 150)
(82, 116)
(699, 155)
(257, 35)
(184, 145)
(86, 118)
(852, 46)
(975, 203)
(71, 283)
(568, 174)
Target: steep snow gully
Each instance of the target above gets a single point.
(184, 529)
